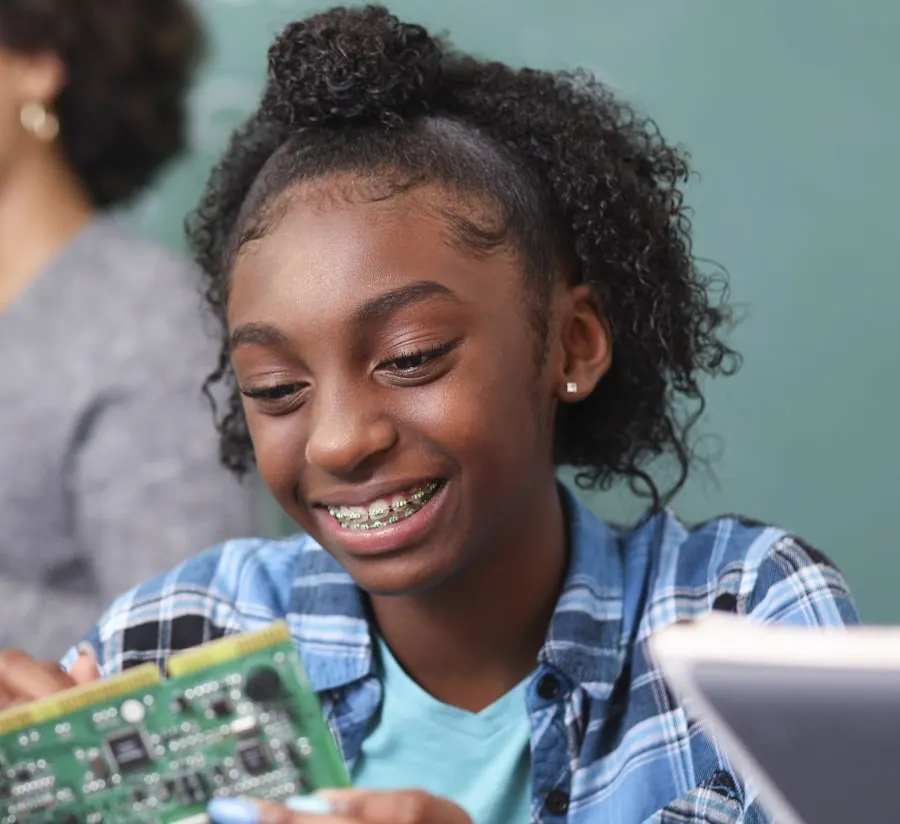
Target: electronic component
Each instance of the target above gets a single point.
(98, 766)
(139, 748)
(132, 711)
(263, 684)
(220, 707)
(180, 704)
(246, 725)
(129, 750)
(253, 758)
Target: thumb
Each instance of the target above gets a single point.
(85, 668)
(402, 807)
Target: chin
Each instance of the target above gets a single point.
(388, 578)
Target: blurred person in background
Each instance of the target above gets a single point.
(109, 465)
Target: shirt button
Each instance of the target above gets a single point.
(548, 687)
(557, 802)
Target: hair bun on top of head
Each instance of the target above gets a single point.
(359, 64)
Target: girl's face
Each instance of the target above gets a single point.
(393, 386)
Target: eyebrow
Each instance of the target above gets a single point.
(389, 302)
(259, 333)
(262, 334)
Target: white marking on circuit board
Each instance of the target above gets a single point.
(29, 804)
(259, 782)
(190, 742)
(201, 689)
(234, 679)
(281, 791)
(33, 786)
(133, 711)
(241, 725)
(63, 728)
(105, 716)
(29, 738)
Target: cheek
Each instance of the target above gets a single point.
(278, 445)
(487, 410)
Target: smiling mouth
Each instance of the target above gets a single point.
(385, 511)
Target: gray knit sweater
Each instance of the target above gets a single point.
(108, 455)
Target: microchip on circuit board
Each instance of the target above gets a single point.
(233, 717)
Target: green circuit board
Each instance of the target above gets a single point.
(233, 717)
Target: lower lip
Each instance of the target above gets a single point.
(385, 539)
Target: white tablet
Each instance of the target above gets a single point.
(809, 717)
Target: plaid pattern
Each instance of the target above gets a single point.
(609, 743)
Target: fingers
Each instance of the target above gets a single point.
(85, 668)
(302, 809)
(24, 679)
(342, 807)
(403, 807)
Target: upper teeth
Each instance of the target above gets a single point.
(379, 510)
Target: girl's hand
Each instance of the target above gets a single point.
(342, 807)
(24, 679)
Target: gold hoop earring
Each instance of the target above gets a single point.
(40, 122)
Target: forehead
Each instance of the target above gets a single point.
(328, 249)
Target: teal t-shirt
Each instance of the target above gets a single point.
(481, 761)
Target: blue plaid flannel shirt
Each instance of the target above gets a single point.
(609, 743)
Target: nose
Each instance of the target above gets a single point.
(347, 432)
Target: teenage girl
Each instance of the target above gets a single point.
(438, 280)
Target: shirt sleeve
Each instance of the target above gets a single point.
(797, 585)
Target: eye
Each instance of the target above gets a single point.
(279, 399)
(406, 363)
(272, 393)
(411, 363)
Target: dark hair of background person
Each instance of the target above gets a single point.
(128, 65)
(581, 184)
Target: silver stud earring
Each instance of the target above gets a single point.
(571, 387)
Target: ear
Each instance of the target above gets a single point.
(38, 77)
(586, 344)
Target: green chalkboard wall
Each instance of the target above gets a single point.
(791, 112)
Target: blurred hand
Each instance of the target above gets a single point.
(23, 679)
(342, 807)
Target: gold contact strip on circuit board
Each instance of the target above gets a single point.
(71, 700)
(146, 675)
(225, 649)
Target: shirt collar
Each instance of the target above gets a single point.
(585, 640)
(329, 618)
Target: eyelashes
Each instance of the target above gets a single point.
(409, 362)
(271, 393)
(409, 368)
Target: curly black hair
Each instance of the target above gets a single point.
(580, 183)
(128, 65)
